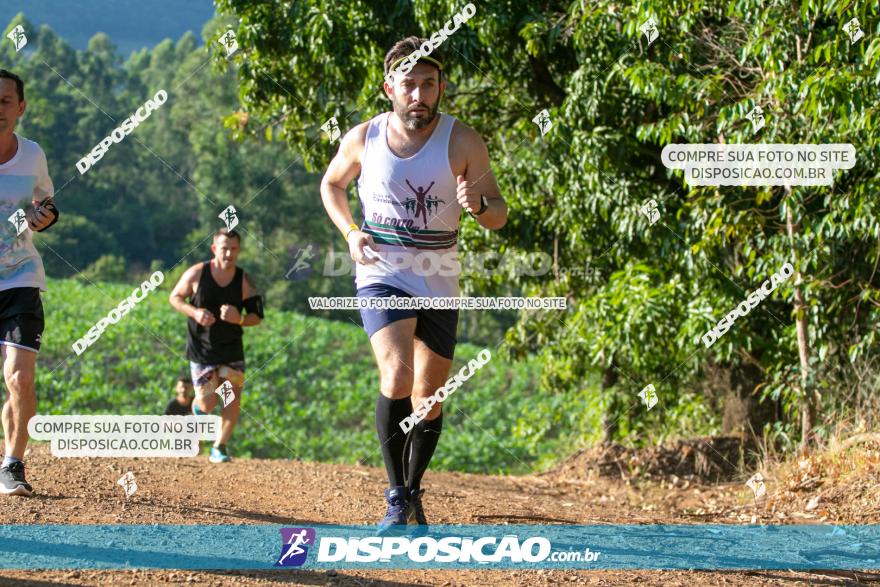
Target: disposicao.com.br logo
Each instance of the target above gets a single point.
(353, 547)
(540, 546)
(487, 549)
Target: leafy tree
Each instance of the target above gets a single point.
(156, 195)
(106, 268)
(615, 100)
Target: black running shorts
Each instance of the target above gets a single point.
(435, 328)
(21, 318)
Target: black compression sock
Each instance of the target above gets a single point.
(389, 414)
(425, 436)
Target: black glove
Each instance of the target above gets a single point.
(42, 216)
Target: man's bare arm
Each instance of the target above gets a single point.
(184, 289)
(343, 169)
(480, 181)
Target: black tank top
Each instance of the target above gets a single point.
(220, 343)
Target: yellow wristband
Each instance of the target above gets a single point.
(351, 227)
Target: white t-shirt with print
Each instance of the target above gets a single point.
(23, 179)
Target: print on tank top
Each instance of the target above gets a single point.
(410, 206)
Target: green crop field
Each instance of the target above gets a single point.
(311, 389)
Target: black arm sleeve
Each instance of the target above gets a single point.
(254, 305)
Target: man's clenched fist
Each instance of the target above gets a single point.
(42, 215)
(468, 196)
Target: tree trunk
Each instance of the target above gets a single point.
(743, 415)
(609, 419)
(807, 398)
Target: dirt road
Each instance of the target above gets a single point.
(194, 491)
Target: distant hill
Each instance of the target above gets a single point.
(131, 24)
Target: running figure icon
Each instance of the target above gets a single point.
(296, 539)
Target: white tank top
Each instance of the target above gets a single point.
(411, 211)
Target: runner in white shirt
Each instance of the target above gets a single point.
(417, 169)
(26, 205)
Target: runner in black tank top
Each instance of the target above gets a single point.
(219, 343)
(216, 314)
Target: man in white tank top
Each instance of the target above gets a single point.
(416, 169)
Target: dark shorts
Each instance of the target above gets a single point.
(21, 318)
(435, 328)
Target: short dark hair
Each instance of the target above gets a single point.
(19, 83)
(407, 46)
(223, 231)
(184, 380)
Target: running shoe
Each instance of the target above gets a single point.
(12, 480)
(396, 514)
(219, 454)
(415, 514)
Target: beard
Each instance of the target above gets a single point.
(413, 122)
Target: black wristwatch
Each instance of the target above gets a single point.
(483, 206)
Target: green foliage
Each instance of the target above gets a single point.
(106, 268)
(154, 199)
(72, 244)
(575, 193)
(615, 101)
(311, 386)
